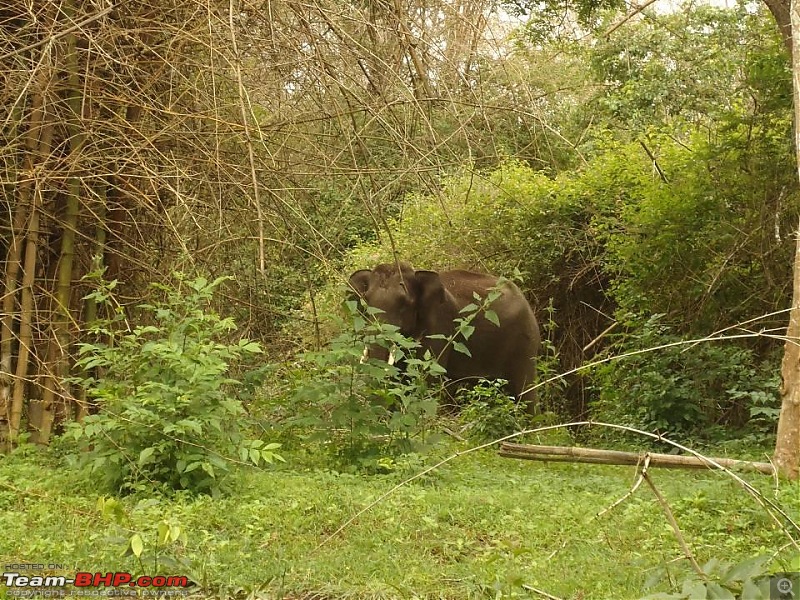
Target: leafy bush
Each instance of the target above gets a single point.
(509, 220)
(168, 411)
(748, 579)
(367, 409)
(683, 389)
(489, 413)
(686, 211)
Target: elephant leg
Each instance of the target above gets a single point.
(521, 379)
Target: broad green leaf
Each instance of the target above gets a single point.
(163, 532)
(191, 424)
(693, 589)
(794, 563)
(250, 346)
(145, 455)
(746, 569)
(436, 369)
(191, 467)
(715, 591)
(751, 591)
(459, 347)
(466, 331)
(137, 545)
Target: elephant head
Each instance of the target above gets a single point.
(416, 302)
(426, 303)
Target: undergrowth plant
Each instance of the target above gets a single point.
(368, 410)
(159, 552)
(489, 413)
(169, 415)
(750, 579)
(550, 385)
(684, 389)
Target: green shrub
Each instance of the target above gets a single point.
(365, 410)
(169, 415)
(488, 413)
(683, 389)
(748, 579)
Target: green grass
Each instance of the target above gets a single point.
(478, 527)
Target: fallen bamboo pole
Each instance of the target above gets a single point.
(617, 457)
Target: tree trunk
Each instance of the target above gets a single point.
(787, 444)
(780, 11)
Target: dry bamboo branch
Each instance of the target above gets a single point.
(617, 457)
(411, 46)
(262, 265)
(195, 115)
(52, 38)
(630, 492)
(687, 552)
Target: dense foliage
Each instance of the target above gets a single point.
(626, 166)
(683, 216)
(632, 172)
(170, 414)
(366, 410)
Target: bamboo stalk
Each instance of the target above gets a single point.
(13, 266)
(26, 310)
(262, 264)
(34, 201)
(673, 522)
(617, 457)
(59, 342)
(90, 306)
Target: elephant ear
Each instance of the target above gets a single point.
(435, 312)
(357, 286)
(430, 290)
(359, 283)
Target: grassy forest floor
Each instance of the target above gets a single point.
(479, 527)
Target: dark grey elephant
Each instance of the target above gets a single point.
(425, 303)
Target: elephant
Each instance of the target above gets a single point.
(425, 303)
